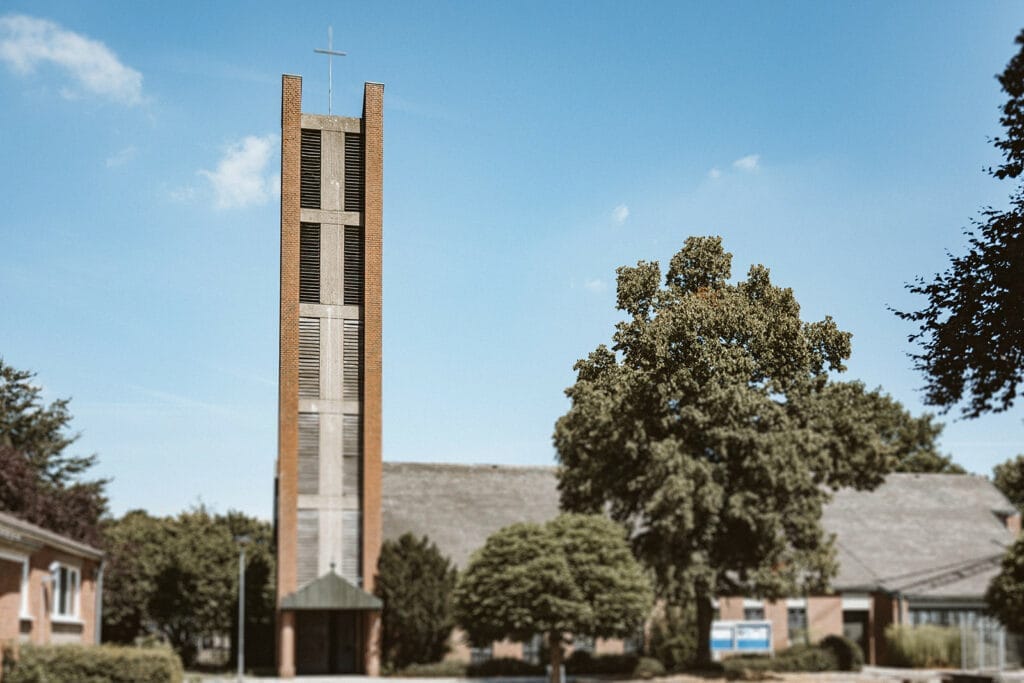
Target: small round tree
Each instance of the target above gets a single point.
(415, 581)
(574, 574)
(1009, 478)
(1005, 595)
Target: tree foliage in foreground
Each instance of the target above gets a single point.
(971, 331)
(713, 428)
(573, 575)
(1009, 478)
(40, 481)
(416, 582)
(1005, 595)
(177, 577)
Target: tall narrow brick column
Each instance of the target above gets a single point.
(373, 217)
(288, 380)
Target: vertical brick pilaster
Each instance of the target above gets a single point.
(288, 380)
(373, 137)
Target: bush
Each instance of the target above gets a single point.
(504, 666)
(648, 667)
(922, 646)
(848, 654)
(449, 669)
(582, 662)
(91, 664)
(799, 658)
(674, 637)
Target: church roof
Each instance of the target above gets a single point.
(933, 536)
(331, 591)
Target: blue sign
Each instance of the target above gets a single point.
(734, 637)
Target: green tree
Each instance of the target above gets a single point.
(1005, 595)
(39, 480)
(575, 574)
(177, 577)
(913, 440)
(415, 581)
(713, 429)
(971, 332)
(1009, 478)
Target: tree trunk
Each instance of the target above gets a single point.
(705, 615)
(555, 647)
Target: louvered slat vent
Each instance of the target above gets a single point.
(352, 459)
(353, 172)
(309, 357)
(309, 171)
(352, 361)
(353, 265)
(351, 545)
(309, 263)
(308, 546)
(309, 453)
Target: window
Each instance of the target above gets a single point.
(479, 654)
(583, 644)
(309, 169)
(753, 613)
(796, 619)
(66, 582)
(309, 263)
(23, 561)
(353, 172)
(531, 649)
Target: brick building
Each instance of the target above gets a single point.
(50, 586)
(327, 513)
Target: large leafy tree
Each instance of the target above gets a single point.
(1009, 478)
(1005, 595)
(713, 429)
(575, 574)
(971, 331)
(39, 480)
(177, 577)
(416, 582)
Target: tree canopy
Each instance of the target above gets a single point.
(177, 577)
(416, 582)
(971, 332)
(1009, 478)
(714, 429)
(39, 480)
(1005, 595)
(573, 575)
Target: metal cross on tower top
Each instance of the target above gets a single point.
(331, 54)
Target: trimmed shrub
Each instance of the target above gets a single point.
(799, 658)
(449, 669)
(91, 664)
(582, 662)
(648, 667)
(847, 653)
(504, 666)
(924, 646)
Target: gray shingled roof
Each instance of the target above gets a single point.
(926, 535)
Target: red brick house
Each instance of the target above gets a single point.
(50, 586)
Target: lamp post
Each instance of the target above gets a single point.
(241, 540)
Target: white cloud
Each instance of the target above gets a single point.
(714, 174)
(26, 42)
(748, 163)
(121, 157)
(595, 285)
(620, 213)
(242, 177)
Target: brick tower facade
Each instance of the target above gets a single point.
(328, 515)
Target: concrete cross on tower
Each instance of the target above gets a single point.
(331, 54)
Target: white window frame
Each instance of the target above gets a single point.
(57, 597)
(23, 611)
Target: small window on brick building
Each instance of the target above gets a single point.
(796, 621)
(309, 169)
(66, 585)
(753, 613)
(353, 172)
(309, 263)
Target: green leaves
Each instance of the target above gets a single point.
(572, 575)
(1005, 595)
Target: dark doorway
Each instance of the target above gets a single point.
(326, 642)
(855, 627)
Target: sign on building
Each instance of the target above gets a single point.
(738, 637)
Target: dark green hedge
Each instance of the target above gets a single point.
(847, 653)
(504, 666)
(90, 664)
(805, 658)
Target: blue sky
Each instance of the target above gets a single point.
(530, 148)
